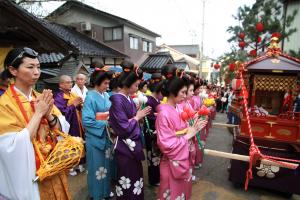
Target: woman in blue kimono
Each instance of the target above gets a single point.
(98, 146)
(124, 120)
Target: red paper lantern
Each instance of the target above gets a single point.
(242, 44)
(236, 84)
(259, 27)
(231, 67)
(253, 53)
(217, 66)
(184, 116)
(258, 39)
(276, 34)
(242, 35)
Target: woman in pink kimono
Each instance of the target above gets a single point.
(196, 100)
(175, 166)
(196, 153)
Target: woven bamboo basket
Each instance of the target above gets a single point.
(65, 155)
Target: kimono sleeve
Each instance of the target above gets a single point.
(67, 111)
(17, 166)
(89, 121)
(172, 146)
(65, 126)
(118, 119)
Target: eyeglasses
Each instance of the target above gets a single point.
(28, 51)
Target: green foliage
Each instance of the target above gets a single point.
(295, 54)
(271, 13)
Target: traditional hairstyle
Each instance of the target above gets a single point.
(127, 65)
(131, 73)
(196, 85)
(142, 84)
(174, 81)
(15, 58)
(113, 84)
(155, 84)
(97, 64)
(99, 75)
(4, 75)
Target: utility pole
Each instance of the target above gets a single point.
(202, 38)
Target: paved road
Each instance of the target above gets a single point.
(213, 181)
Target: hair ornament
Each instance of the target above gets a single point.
(136, 69)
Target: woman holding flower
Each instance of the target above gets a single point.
(124, 120)
(175, 166)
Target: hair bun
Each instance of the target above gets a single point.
(127, 66)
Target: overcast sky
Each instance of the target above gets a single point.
(177, 21)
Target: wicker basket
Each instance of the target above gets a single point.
(65, 155)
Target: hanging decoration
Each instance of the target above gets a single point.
(217, 66)
(231, 67)
(242, 35)
(259, 27)
(259, 39)
(253, 53)
(242, 44)
(254, 44)
(276, 34)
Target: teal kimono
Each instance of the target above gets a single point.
(98, 147)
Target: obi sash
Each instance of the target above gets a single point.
(102, 115)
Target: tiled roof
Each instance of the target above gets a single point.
(157, 61)
(50, 58)
(26, 25)
(58, 38)
(50, 71)
(70, 68)
(85, 45)
(187, 49)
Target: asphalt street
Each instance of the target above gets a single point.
(212, 183)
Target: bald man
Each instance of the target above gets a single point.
(70, 106)
(79, 87)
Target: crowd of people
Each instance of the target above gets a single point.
(119, 117)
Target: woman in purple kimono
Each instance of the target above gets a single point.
(124, 120)
(175, 165)
(153, 153)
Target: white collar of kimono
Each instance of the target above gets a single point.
(29, 98)
(127, 97)
(76, 87)
(101, 94)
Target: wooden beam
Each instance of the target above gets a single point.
(246, 158)
(225, 125)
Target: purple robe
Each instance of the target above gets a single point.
(128, 148)
(153, 152)
(70, 112)
(2, 91)
(153, 103)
